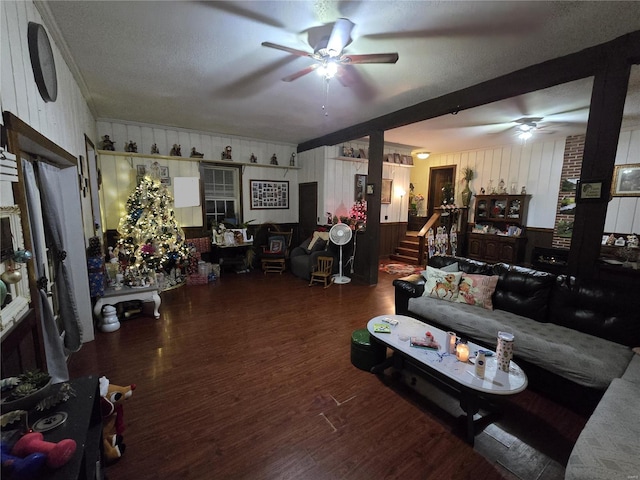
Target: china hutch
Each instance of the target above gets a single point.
(499, 231)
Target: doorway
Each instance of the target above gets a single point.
(307, 208)
(438, 178)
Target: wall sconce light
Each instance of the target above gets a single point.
(423, 155)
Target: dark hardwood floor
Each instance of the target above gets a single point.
(250, 378)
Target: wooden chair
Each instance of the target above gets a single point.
(321, 273)
(275, 254)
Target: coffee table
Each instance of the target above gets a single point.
(125, 293)
(443, 367)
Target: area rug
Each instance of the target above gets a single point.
(400, 268)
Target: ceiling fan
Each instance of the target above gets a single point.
(329, 56)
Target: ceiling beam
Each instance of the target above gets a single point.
(568, 68)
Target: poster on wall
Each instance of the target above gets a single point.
(386, 190)
(269, 194)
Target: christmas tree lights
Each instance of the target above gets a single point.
(150, 238)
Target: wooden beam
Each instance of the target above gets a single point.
(34, 143)
(601, 142)
(575, 66)
(371, 238)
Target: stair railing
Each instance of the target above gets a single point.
(421, 237)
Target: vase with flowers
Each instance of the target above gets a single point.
(467, 176)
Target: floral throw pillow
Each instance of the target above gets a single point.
(477, 290)
(442, 284)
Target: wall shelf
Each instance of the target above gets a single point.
(366, 160)
(207, 160)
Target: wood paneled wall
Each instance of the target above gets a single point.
(64, 121)
(623, 213)
(536, 165)
(119, 175)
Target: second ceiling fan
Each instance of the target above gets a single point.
(329, 56)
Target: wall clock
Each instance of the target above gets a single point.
(42, 63)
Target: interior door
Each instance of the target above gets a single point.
(438, 178)
(307, 208)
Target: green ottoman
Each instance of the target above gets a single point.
(366, 353)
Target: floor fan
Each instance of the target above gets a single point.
(340, 234)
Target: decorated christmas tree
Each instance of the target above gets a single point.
(150, 238)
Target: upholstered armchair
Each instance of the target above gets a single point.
(304, 257)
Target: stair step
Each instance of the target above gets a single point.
(409, 252)
(403, 258)
(414, 245)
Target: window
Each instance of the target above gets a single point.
(221, 195)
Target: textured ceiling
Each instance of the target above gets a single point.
(200, 65)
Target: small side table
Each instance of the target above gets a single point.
(112, 296)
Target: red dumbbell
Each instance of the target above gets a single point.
(57, 453)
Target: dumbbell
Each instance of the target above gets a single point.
(22, 468)
(57, 453)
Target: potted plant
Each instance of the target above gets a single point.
(24, 391)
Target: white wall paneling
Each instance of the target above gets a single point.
(536, 165)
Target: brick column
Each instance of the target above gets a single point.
(571, 167)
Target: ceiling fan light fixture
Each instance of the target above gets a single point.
(328, 70)
(423, 155)
(525, 135)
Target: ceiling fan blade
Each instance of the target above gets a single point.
(340, 36)
(292, 51)
(370, 58)
(301, 73)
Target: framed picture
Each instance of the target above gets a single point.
(360, 187)
(386, 190)
(589, 190)
(269, 194)
(164, 172)
(141, 169)
(369, 188)
(626, 180)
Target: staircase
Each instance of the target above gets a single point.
(407, 251)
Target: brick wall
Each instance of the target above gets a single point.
(571, 167)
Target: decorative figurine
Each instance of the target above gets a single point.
(632, 241)
(107, 144)
(292, 161)
(501, 187)
(131, 147)
(253, 158)
(154, 150)
(453, 240)
(195, 153)
(176, 150)
(431, 243)
(523, 191)
(482, 191)
(226, 154)
(274, 159)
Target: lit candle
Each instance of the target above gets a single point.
(462, 352)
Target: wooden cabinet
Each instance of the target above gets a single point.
(501, 209)
(503, 218)
(496, 248)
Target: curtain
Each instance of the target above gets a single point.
(53, 345)
(53, 210)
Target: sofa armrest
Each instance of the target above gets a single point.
(406, 288)
(296, 251)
